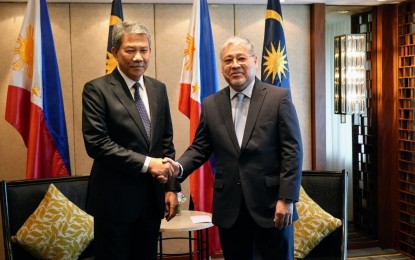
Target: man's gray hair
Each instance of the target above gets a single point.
(128, 27)
(238, 40)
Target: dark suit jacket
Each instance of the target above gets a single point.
(267, 166)
(115, 138)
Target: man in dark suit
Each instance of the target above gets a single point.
(258, 172)
(127, 129)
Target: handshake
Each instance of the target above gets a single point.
(163, 169)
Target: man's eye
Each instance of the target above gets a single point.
(228, 61)
(144, 51)
(242, 59)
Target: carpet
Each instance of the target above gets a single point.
(388, 256)
(375, 253)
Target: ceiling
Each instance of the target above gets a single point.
(327, 2)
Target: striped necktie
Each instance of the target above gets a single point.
(240, 117)
(142, 109)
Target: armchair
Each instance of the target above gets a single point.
(19, 199)
(329, 190)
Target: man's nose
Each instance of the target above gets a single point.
(235, 63)
(138, 56)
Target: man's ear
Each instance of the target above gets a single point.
(114, 52)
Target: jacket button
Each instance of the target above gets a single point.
(239, 182)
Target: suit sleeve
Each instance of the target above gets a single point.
(200, 149)
(168, 146)
(291, 150)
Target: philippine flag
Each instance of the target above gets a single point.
(199, 79)
(34, 98)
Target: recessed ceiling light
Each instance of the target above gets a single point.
(343, 11)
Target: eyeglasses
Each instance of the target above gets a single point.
(241, 60)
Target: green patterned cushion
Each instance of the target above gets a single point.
(58, 229)
(314, 225)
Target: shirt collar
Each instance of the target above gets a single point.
(129, 81)
(247, 91)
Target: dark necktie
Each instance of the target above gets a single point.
(142, 109)
(240, 117)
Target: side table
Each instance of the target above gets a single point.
(182, 223)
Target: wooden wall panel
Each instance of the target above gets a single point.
(318, 86)
(386, 36)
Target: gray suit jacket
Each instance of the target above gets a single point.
(115, 138)
(268, 165)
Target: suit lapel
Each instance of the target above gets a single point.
(123, 94)
(257, 99)
(226, 111)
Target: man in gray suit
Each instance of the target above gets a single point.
(127, 129)
(258, 164)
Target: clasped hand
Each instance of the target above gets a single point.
(163, 169)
